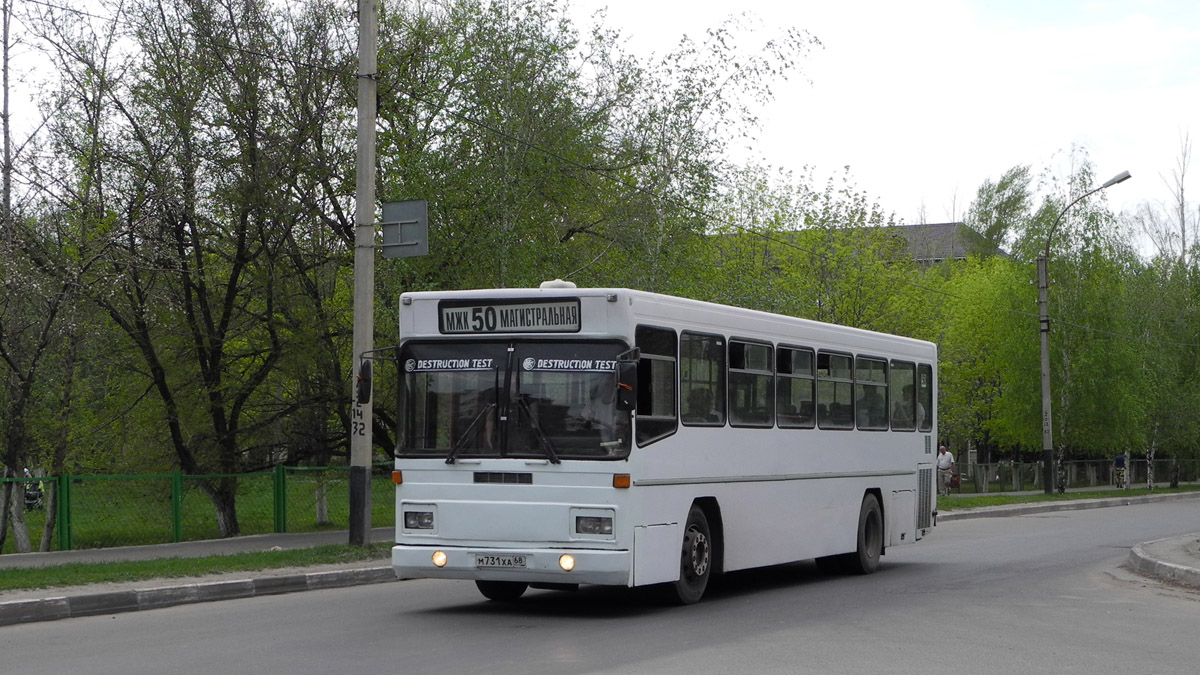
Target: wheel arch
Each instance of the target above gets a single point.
(882, 516)
(716, 527)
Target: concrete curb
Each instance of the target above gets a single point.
(114, 602)
(1150, 565)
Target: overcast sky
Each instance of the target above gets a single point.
(925, 99)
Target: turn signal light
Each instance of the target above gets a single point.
(397, 477)
(439, 558)
(621, 480)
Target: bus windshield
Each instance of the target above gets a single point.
(546, 400)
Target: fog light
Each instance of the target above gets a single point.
(567, 562)
(418, 520)
(593, 525)
(439, 559)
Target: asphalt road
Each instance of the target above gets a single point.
(1037, 594)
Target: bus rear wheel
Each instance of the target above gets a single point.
(695, 564)
(865, 559)
(501, 591)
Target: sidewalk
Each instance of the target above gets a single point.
(1176, 559)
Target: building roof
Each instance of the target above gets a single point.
(935, 242)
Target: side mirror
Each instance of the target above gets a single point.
(363, 384)
(626, 385)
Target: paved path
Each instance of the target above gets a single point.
(1176, 559)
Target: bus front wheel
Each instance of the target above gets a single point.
(501, 591)
(695, 564)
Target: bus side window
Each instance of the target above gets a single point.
(870, 388)
(795, 388)
(904, 408)
(835, 391)
(751, 384)
(702, 379)
(656, 395)
(925, 397)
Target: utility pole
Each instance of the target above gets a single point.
(1043, 283)
(364, 272)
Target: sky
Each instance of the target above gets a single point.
(924, 100)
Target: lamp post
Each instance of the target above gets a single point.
(1044, 330)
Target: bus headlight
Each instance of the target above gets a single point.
(439, 558)
(594, 525)
(418, 520)
(567, 562)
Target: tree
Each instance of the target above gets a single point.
(1167, 225)
(1087, 358)
(37, 320)
(197, 261)
(550, 156)
(989, 374)
(780, 246)
(1001, 208)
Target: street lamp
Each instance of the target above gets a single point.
(1047, 433)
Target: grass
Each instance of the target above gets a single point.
(955, 502)
(136, 510)
(76, 574)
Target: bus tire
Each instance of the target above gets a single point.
(865, 559)
(501, 591)
(695, 559)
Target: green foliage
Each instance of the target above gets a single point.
(988, 383)
(547, 155)
(1001, 208)
(1121, 354)
(779, 246)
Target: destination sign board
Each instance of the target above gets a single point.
(542, 316)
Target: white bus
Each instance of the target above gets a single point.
(560, 436)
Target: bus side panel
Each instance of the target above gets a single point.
(900, 514)
(776, 522)
(799, 520)
(656, 553)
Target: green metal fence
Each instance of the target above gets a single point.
(104, 511)
(1081, 474)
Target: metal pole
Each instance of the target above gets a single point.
(1047, 431)
(364, 272)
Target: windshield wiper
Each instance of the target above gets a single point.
(538, 432)
(468, 435)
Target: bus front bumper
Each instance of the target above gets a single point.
(591, 566)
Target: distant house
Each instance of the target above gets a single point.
(931, 243)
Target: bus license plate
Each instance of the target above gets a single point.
(506, 561)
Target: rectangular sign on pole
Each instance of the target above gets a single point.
(405, 229)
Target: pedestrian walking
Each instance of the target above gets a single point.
(946, 468)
